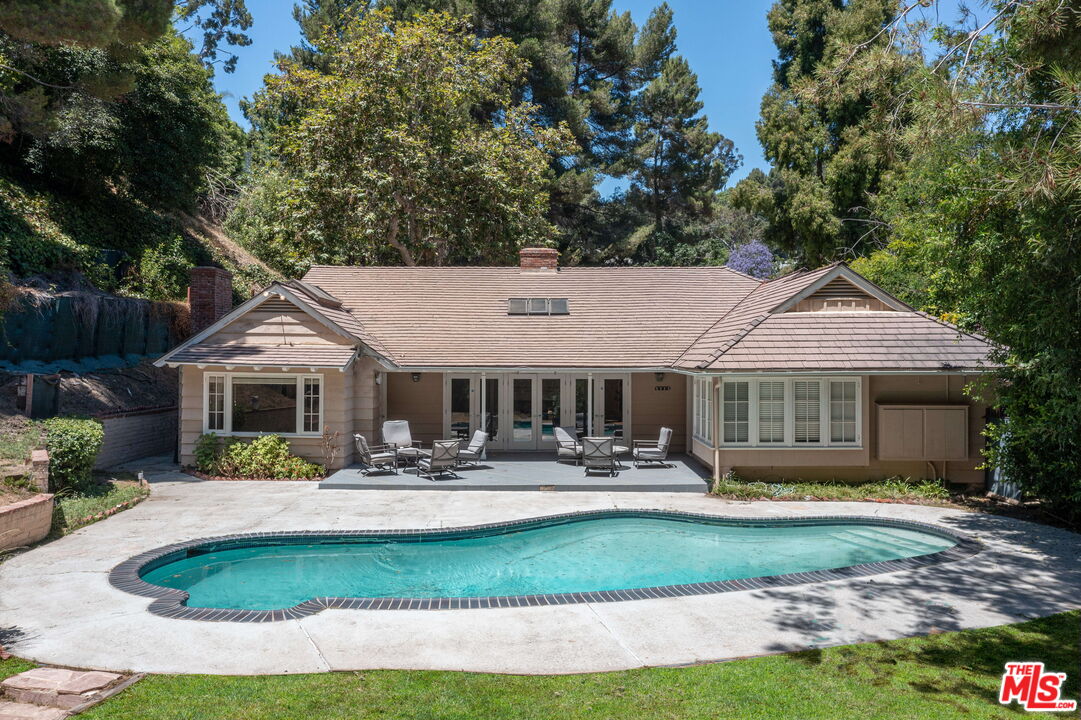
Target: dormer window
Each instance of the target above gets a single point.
(538, 306)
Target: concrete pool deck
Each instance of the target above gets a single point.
(57, 606)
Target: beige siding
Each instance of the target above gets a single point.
(275, 327)
(421, 403)
(338, 406)
(659, 403)
(863, 463)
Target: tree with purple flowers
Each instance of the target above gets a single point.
(752, 258)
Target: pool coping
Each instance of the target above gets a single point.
(170, 603)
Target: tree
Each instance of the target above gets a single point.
(819, 128)
(982, 220)
(678, 162)
(392, 154)
(753, 258)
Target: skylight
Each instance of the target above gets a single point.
(538, 306)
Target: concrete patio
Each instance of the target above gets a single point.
(58, 607)
(534, 471)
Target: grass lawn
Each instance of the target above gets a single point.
(76, 511)
(952, 675)
(925, 491)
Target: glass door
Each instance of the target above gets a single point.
(490, 411)
(611, 407)
(461, 408)
(551, 413)
(523, 420)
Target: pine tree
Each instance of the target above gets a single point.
(822, 135)
(679, 162)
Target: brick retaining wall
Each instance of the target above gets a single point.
(137, 434)
(26, 521)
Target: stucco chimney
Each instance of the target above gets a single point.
(210, 296)
(538, 258)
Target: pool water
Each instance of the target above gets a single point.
(592, 554)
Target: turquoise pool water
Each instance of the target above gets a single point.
(606, 553)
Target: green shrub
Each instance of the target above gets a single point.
(73, 444)
(163, 270)
(267, 456)
(207, 450)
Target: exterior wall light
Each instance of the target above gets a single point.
(416, 377)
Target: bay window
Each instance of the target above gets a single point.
(791, 412)
(252, 404)
(702, 409)
(737, 412)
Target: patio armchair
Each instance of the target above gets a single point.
(396, 433)
(440, 461)
(598, 453)
(653, 451)
(377, 457)
(567, 445)
(474, 452)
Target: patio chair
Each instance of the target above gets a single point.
(376, 458)
(441, 461)
(474, 452)
(567, 445)
(598, 453)
(396, 433)
(653, 451)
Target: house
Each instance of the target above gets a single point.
(816, 375)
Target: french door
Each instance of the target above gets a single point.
(520, 411)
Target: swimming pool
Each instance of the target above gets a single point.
(581, 557)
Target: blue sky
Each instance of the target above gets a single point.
(726, 42)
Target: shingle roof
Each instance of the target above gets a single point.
(704, 318)
(750, 311)
(852, 341)
(457, 317)
(298, 356)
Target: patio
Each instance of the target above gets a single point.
(534, 471)
(58, 606)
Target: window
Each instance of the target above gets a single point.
(737, 410)
(771, 411)
(284, 404)
(538, 306)
(215, 402)
(790, 412)
(843, 411)
(702, 409)
(807, 405)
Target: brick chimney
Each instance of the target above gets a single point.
(539, 258)
(210, 296)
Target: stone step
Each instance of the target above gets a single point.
(23, 711)
(57, 687)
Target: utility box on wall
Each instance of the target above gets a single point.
(923, 432)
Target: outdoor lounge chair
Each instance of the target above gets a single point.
(599, 454)
(567, 445)
(378, 457)
(396, 433)
(474, 452)
(441, 461)
(650, 451)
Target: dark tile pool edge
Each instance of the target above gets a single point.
(170, 603)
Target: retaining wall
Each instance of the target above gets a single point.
(26, 521)
(137, 434)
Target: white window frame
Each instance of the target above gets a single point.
(228, 377)
(825, 430)
(752, 412)
(702, 409)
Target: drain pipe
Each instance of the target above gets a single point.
(589, 404)
(715, 430)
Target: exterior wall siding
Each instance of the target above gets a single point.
(776, 464)
(338, 407)
(659, 403)
(421, 403)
